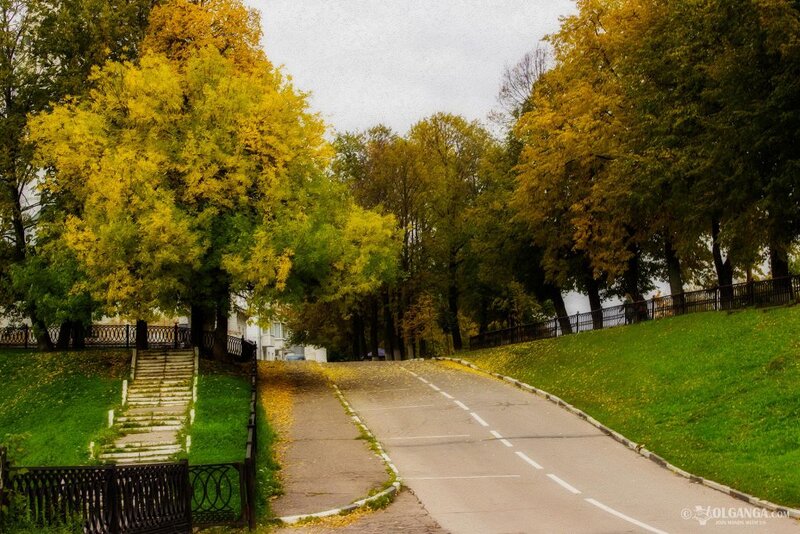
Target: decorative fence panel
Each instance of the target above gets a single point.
(106, 499)
(775, 292)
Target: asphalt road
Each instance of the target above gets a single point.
(485, 457)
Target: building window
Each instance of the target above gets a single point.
(277, 330)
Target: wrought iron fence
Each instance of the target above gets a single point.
(103, 336)
(124, 336)
(105, 499)
(775, 292)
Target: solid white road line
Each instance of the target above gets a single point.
(503, 440)
(462, 478)
(478, 419)
(528, 460)
(397, 408)
(563, 484)
(434, 388)
(443, 436)
(625, 517)
(447, 395)
(462, 406)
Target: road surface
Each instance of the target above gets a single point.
(485, 457)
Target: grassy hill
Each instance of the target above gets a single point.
(53, 404)
(717, 394)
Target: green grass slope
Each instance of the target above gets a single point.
(53, 404)
(717, 394)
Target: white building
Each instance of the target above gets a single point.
(272, 342)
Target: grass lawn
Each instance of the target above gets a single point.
(219, 433)
(717, 394)
(53, 404)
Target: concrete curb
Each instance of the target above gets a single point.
(637, 448)
(389, 492)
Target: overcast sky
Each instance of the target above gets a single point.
(398, 61)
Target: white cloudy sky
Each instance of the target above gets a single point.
(397, 61)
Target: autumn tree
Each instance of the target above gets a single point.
(192, 165)
(47, 50)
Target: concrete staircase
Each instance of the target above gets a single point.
(156, 409)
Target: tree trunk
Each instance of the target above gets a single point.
(373, 329)
(64, 332)
(452, 305)
(78, 335)
(675, 276)
(778, 261)
(141, 334)
(723, 268)
(197, 324)
(595, 303)
(220, 348)
(388, 326)
(630, 280)
(561, 309)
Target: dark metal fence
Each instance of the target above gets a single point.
(124, 336)
(775, 292)
(103, 336)
(105, 499)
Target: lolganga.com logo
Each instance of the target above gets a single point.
(720, 515)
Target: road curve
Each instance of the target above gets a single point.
(485, 457)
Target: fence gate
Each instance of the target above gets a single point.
(137, 499)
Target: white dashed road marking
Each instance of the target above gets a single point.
(563, 484)
(528, 460)
(462, 478)
(503, 440)
(625, 517)
(462, 406)
(478, 419)
(410, 406)
(443, 436)
(422, 380)
(434, 388)
(447, 395)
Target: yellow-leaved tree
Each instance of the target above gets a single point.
(191, 165)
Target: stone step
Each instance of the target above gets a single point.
(145, 420)
(148, 460)
(161, 372)
(164, 448)
(139, 457)
(155, 411)
(131, 429)
(137, 388)
(163, 376)
(161, 381)
(159, 394)
(148, 439)
(158, 403)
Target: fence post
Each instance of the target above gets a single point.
(4, 479)
(112, 501)
(127, 336)
(27, 334)
(577, 323)
(176, 335)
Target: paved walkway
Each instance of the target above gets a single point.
(485, 457)
(157, 407)
(325, 464)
